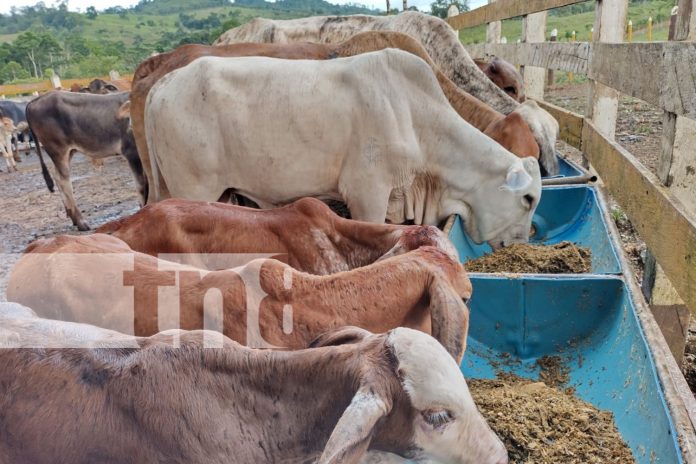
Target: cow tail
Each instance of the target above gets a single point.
(44, 169)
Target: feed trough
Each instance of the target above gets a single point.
(594, 323)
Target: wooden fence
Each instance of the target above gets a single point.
(663, 74)
(661, 207)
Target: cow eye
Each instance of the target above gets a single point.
(510, 90)
(466, 300)
(437, 418)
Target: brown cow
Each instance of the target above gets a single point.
(99, 280)
(468, 107)
(306, 234)
(169, 398)
(505, 76)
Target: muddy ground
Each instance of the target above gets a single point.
(29, 211)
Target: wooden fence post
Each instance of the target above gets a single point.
(494, 30)
(676, 170)
(550, 78)
(609, 26)
(534, 30)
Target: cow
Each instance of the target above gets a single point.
(96, 86)
(374, 130)
(97, 279)
(306, 234)
(66, 122)
(511, 131)
(171, 398)
(440, 41)
(15, 110)
(505, 76)
(7, 129)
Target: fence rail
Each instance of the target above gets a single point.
(661, 73)
(505, 9)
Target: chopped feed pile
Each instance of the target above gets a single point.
(544, 425)
(561, 258)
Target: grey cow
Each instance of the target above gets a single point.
(66, 122)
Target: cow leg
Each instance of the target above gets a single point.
(370, 203)
(130, 152)
(62, 164)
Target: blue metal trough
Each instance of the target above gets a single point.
(591, 321)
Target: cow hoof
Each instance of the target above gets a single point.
(82, 227)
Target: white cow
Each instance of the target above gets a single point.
(374, 130)
(441, 42)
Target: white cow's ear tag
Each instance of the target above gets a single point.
(517, 180)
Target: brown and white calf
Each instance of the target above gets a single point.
(99, 280)
(306, 234)
(169, 398)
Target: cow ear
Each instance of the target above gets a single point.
(517, 179)
(124, 110)
(351, 436)
(449, 317)
(343, 336)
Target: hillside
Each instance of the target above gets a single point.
(580, 18)
(36, 41)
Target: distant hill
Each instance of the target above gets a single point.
(38, 40)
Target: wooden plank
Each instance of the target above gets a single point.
(533, 30)
(570, 57)
(504, 9)
(659, 217)
(663, 74)
(673, 321)
(660, 73)
(686, 16)
(494, 30)
(570, 123)
(603, 104)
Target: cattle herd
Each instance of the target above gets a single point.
(236, 317)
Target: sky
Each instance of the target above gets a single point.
(81, 5)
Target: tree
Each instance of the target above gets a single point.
(12, 71)
(439, 7)
(91, 12)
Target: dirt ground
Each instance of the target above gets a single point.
(30, 211)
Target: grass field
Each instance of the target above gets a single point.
(582, 24)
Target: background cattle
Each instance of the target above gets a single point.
(440, 41)
(511, 131)
(66, 122)
(387, 142)
(16, 111)
(505, 76)
(169, 398)
(98, 279)
(306, 234)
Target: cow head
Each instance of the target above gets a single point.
(423, 411)
(505, 76)
(499, 208)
